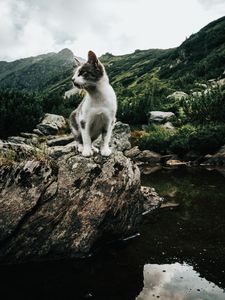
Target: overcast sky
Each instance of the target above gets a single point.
(31, 27)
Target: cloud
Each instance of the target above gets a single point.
(211, 3)
(31, 27)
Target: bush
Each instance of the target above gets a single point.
(156, 139)
(209, 107)
(202, 139)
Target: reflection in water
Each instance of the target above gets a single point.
(177, 282)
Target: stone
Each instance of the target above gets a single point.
(52, 124)
(149, 157)
(160, 116)
(120, 137)
(17, 152)
(133, 152)
(52, 210)
(16, 139)
(61, 141)
(58, 151)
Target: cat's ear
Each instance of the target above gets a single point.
(77, 62)
(92, 59)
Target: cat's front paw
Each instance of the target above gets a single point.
(80, 148)
(87, 152)
(105, 151)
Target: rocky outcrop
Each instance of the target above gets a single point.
(54, 203)
(51, 210)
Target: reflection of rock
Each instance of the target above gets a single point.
(175, 162)
(176, 282)
(151, 199)
(216, 159)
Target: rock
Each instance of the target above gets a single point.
(58, 151)
(160, 116)
(168, 125)
(61, 141)
(38, 132)
(17, 152)
(16, 139)
(120, 137)
(50, 210)
(28, 135)
(217, 159)
(133, 152)
(148, 156)
(51, 124)
(178, 95)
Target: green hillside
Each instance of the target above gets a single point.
(38, 74)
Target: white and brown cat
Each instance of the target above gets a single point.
(96, 113)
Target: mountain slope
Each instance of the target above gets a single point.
(38, 74)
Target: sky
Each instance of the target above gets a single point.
(32, 27)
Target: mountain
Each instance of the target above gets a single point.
(201, 57)
(42, 73)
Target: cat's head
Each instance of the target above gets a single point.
(87, 75)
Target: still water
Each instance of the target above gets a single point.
(179, 255)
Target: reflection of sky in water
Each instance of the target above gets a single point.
(177, 282)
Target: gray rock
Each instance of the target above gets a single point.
(133, 152)
(61, 141)
(29, 135)
(58, 151)
(16, 139)
(148, 156)
(17, 152)
(52, 211)
(160, 116)
(52, 124)
(120, 137)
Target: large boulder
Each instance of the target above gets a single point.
(160, 116)
(52, 209)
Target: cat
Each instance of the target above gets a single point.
(96, 114)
